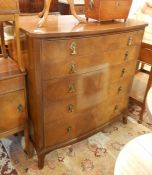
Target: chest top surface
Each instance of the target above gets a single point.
(67, 25)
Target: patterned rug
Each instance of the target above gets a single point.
(93, 156)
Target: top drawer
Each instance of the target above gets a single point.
(63, 48)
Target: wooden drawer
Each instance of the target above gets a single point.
(122, 71)
(68, 107)
(12, 110)
(116, 106)
(10, 85)
(107, 9)
(60, 62)
(120, 87)
(87, 85)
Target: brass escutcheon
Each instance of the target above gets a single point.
(71, 88)
(69, 129)
(126, 55)
(115, 108)
(70, 107)
(91, 4)
(123, 72)
(73, 48)
(130, 40)
(20, 108)
(119, 89)
(73, 68)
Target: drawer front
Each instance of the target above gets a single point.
(86, 84)
(116, 106)
(13, 84)
(122, 71)
(81, 55)
(12, 110)
(120, 87)
(69, 107)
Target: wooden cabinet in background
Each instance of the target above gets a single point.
(64, 8)
(35, 6)
(78, 76)
(13, 111)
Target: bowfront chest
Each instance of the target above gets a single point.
(78, 75)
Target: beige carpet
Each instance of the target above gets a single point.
(93, 156)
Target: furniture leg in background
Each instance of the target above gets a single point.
(143, 78)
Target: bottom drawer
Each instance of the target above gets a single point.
(12, 110)
(116, 106)
(70, 127)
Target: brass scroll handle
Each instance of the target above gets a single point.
(71, 88)
(73, 68)
(20, 108)
(69, 129)
(123, 72)
(73, 48)
(70, 108)
(119, 89)
(126, 55)
(130, 40)
(115, 108)
(91, 4)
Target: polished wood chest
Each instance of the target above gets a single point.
(79, 77)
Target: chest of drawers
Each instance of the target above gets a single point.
(75, 72)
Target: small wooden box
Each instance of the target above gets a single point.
(107, 9)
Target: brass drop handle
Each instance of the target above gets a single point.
(115, 108)
(73, 48)
(71, 88)
(69, 129)
(73, 68)
(123, 72)
(130, 40)
(126, 55)
(91, 4)
(20, 108)
(119, 89)
(70, 108)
